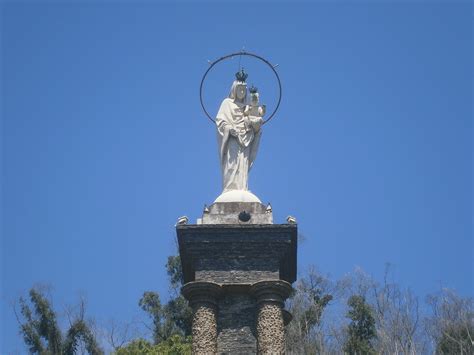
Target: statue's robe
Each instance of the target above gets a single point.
(237, 154)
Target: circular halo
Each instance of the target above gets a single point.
(272, 67)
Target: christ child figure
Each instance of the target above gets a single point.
(254, 112)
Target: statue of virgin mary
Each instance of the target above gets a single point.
(238, 137)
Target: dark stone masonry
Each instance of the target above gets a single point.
(238, 269)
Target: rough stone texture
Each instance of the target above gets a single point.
(236, 324)
(228, 213)
(204, 329)
(270, 329)
(245, 272)
(239, 270)
(202, 297)
(271, 295)
(225, 253)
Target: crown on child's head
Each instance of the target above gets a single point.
(253, 90)
(241, 75)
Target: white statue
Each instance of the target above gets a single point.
(254, 111)
(238, 128)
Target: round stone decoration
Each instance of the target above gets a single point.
(244, 216)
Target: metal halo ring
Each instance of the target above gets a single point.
(233, 55)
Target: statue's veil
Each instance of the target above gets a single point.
(233, 90)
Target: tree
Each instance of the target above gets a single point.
(312, 295)
(395, 310)
(136, 347)
(175, 273)
(78, 331)
(451, 325)
(173, 318)
(361, 329)
(174, 345)
(166, 319)
(171, 322)
(42, 334)
(381, 318)
(177, 308)
(397, 318)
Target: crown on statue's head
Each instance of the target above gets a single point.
(241, 75)
(253, 90)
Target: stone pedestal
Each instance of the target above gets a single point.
(237, 276)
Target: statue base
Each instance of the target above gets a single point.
(237, 278)
(237, 207)
(238, 268)
(237, 213)
(237, 196)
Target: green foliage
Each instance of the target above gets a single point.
(174, 345)
(452, 322)
(457, 339)
(136, 347)
(173, 318)
(80, 331)
(175, 272)
(41, 332)
(313, 293)
(177, 309)
(390, 314)
(180, 314)
(151, 304)
(361, 330)
(313, 313)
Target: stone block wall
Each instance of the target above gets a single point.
(237, 279)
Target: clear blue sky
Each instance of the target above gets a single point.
(104, 143)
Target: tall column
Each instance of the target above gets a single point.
(271, 296)
(202, 297)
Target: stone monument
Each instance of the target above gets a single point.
(238, 265)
